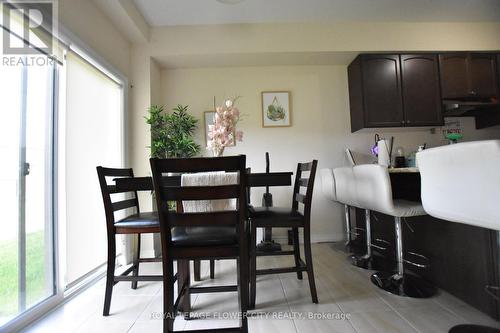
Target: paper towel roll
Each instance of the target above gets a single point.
(383, 152)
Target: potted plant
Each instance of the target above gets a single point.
(172, 134)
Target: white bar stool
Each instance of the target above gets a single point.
(329, 190)
(339, 185)
(461, 183)
(374, 192)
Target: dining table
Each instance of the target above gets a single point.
(255, 179)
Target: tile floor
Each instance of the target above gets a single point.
(348, 303)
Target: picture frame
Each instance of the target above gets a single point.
(209, 119)
(276, 108)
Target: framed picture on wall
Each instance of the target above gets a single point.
(209, 118)
(276, 109)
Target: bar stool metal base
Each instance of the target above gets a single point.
(365, 262)
(407, 286)
(373, 263)
(473, 329)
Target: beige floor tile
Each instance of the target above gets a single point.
(149, 326)
(271, 325)
(128, 308)
(270, 296)
(430, 319)
(380, 322)
(156, 325)
(104, 325)
(283, 303)
(71, 315)
(361, 302)
(327, 324)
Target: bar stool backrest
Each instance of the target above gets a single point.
(373, 188)
(345, 189)
(461, 182)
(328, 184)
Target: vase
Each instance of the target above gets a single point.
(218, 151)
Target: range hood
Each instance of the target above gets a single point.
(469, 106)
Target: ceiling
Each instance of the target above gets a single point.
(193, 12)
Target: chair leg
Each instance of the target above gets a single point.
(184, 278)
(309, 264)
(296, 249)
(197, 269)
(137, 256)
(168, 296)
(110, 274)
(243, 273)
(253, 266)
(212, 269)
(242, 267)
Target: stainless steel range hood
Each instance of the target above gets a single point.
(468, 107)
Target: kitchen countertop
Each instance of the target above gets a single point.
(403, 170)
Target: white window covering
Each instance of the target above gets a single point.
(93, 137)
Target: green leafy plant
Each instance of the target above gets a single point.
(172, 134)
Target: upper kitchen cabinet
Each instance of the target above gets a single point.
(468, 75)
(392, 90)
(421, 91)
(375, 91)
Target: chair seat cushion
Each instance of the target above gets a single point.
(269, 216)
(203, 236)
(141, 220)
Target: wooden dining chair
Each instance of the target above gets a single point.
(201, 235)
(279, 217)
(136, 224)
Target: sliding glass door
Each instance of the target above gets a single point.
(26, 186)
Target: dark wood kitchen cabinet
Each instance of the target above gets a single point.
(421, 90)
(393, 90)
(467, 75)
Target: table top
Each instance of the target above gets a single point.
(254, 180)
(404, 170)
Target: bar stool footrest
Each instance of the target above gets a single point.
(386, 246)
(355, 231)
(425, 264)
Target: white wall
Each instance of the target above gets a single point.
(84, 19)
(320, 124)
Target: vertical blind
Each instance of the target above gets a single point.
(93, 137)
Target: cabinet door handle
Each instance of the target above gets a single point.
(407, 121)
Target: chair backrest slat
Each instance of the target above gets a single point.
(199, 164)
(113, 172)
(124, 204)
(222, 218)
(200, 192)
(306, 166)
